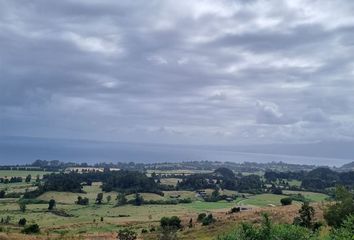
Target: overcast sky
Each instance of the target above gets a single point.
(198, 72)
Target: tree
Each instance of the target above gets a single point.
(286, 201)
(277, 191)
(249, 183)
(336, 213)
(215, 194)
(22, 222)
(225, 173)
(82, 201)
(126, 234)
(138, 199)
(121, 199)
(2, 194)
(22, 206)
(99, 198)
(51, 204)
(307, 213)
(28, 178)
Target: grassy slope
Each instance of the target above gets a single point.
(315, 197)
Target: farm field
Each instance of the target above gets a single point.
(262, 200)
(21, 173)
(69, 219)
(312, 196)
(179, 171)
(170, 181)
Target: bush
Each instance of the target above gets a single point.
(268, 231)
(34, 228)
(286, 201)
(82, 201)
(201, 216)
(277, 191)
(121, 199)
(173, 222)
(208, 220)
(22, 206)
(346, 231)
(335, 214)
(51, 204)
(235, 209)
(126, 234)
(22, 222)
(2, 194)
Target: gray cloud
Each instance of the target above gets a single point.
(179, 72)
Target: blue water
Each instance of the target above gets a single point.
(20, 150)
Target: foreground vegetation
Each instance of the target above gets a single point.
(107, 202)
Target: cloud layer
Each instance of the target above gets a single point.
(178, 71)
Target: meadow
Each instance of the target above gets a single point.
(70, 219)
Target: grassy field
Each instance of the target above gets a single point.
(295, 183)
(70, 219)
(201, 206)
(262, 200)
(312, 196)
(21, 173)
(178, 171)
(170, 181)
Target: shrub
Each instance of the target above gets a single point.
(22, 222)
(235, 209)
(306, 215)
(99, 198)
(277, 191)
(335, 214)
(346, 231)
(138, 200)
(173, 222)
(286, 201)
(121, 199)
(82, 201)
(22, 206)
(51, 204)
(34, 228)
(208, 220)
(126, 234)
(2, 194)
(268, 231)
(201, 216)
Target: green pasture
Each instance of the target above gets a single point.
(21, 173)
(261, 200)
(312, 196)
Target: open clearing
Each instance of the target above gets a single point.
(312, 196)
(262, 200)
(70, 219)
(21, 173)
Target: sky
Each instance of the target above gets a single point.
(178, 72)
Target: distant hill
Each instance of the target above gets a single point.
(347, 167)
